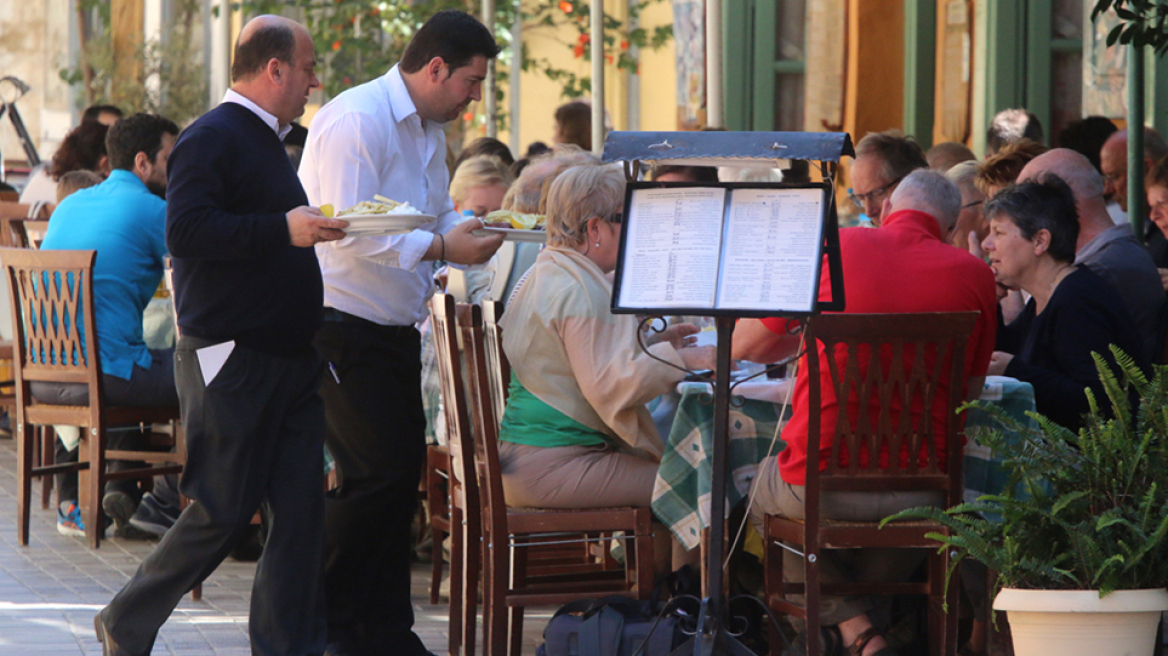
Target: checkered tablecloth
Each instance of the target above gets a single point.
(681, 497)
(983, 472)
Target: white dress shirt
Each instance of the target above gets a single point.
(266, 116)
(370, 140)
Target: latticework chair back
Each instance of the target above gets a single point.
(885, 372)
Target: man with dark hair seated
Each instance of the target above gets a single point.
(124, 220)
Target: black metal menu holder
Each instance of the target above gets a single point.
(635, 149)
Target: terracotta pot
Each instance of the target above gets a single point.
(1079, 623)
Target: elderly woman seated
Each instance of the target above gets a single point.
(576, 433)
(1072, 313)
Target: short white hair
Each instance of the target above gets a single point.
(929, 192)
(579, 194)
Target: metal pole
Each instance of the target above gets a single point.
(715, 115)
(489, 83)
(513, 79)
(1135, 139)
(597, 50)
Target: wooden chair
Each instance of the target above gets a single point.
(463, 490)
(509, 581)
(50, 289)
(28, 233)
(917, 352)
(12, 216)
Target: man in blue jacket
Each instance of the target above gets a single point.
(248, 296)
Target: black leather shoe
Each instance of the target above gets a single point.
(108, 646)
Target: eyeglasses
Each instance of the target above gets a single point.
(973, 204)
(616, 218)
(860, 199)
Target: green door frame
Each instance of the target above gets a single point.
(920, 69)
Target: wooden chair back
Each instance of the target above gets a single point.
(455, 405)
(12, 218)
(9, 196)
(499, 369)
(55, 341)
(485, 422)
(50, 291)
(890, 364)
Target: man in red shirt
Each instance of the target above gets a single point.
(906, 265)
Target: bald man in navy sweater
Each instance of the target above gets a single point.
(248, 295)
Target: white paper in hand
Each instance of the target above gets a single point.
(212, 358)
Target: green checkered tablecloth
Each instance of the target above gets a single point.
(983, 473)
(683, 478)
(681, 497)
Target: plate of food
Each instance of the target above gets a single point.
(380, 216)
(514, 226)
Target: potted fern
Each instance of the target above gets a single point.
(1079, 537)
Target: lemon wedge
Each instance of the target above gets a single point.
(522, 221)
(327, 210)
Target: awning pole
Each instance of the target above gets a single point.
(715, 116)
(597, 50)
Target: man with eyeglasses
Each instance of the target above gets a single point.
(1113, 162)
(883, 159)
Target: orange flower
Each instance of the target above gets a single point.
(347, 80)
(608, 58)
(584, 38)
(336, 45)
(565, 6)
(624, 45)
(578, 51)
(468, 117)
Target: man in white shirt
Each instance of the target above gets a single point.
(385, 137)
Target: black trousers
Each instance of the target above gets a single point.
(376, 433)
(254, 435)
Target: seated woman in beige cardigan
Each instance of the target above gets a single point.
(576, 433)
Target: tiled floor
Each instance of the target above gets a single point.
(50, 590)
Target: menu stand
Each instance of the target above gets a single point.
(712, 636)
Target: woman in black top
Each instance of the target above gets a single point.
(1072, 312)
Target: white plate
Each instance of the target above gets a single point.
(511, 234)
(364, 225)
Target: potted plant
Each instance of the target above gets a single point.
(1079, 537)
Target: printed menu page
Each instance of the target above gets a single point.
(672, 248)
(770, 258)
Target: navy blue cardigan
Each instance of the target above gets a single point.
(236, 274)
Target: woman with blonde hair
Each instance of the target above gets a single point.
(576, 433)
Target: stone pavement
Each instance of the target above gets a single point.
(50, 590)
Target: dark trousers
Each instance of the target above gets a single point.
(149, 388)
(254, 435)
(376, 433)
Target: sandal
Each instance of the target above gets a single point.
(862, 640)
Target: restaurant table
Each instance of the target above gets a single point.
(684, 475)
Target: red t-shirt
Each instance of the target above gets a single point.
(903, 266)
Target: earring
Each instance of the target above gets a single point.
(598, 244)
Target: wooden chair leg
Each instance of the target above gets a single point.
(499, 568)
(436, 559)
(90, 482)
(46, 441)
(457, 560)
(472, 559)
(25, 437)
(643, 552)
(938, 623)
(515, 614)
(811, 598)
